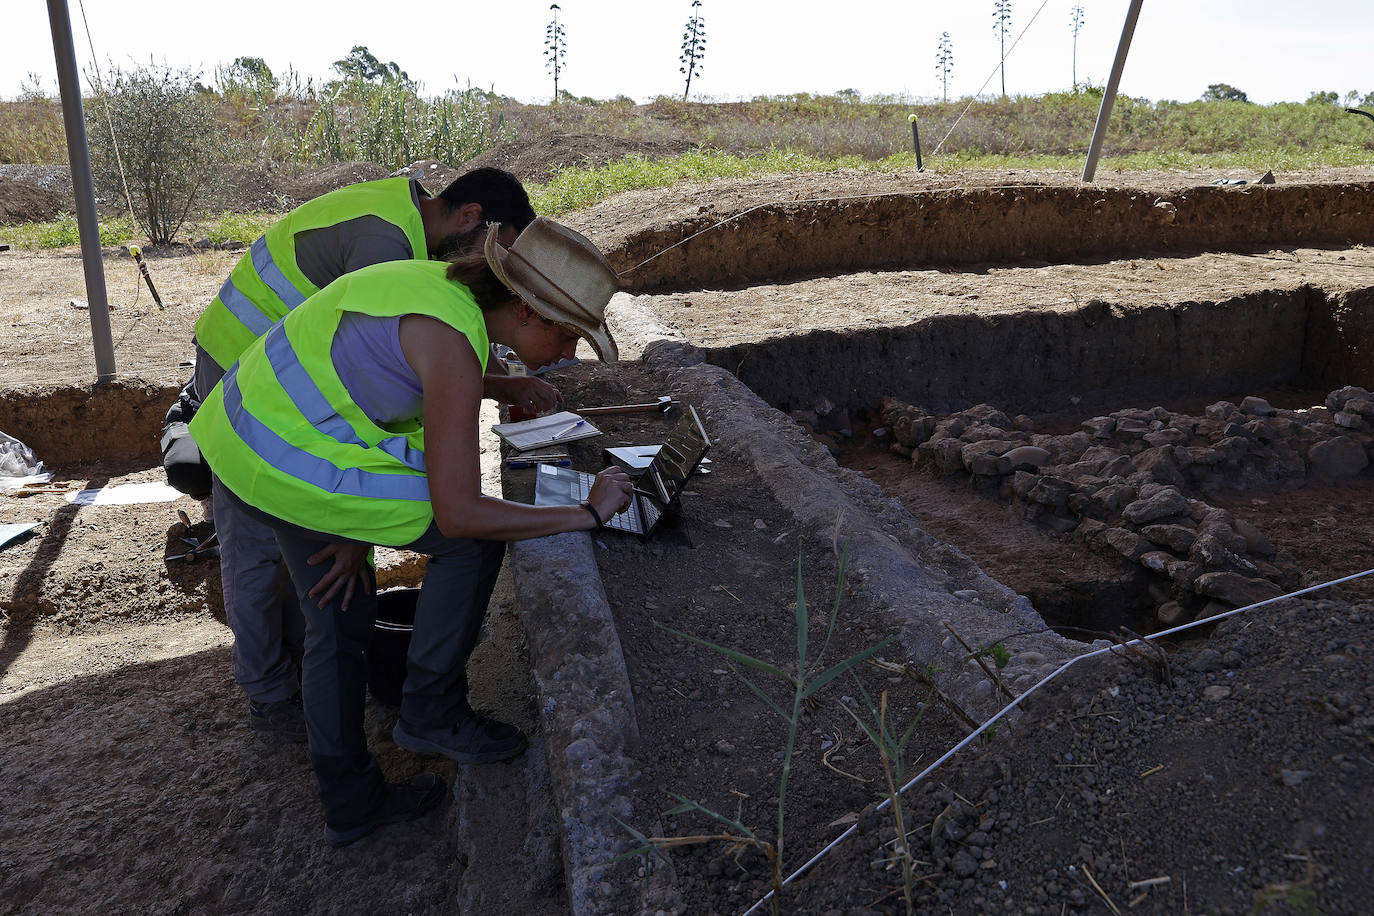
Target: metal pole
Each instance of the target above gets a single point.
(916, 142)
(1104, 114)
(84, 188)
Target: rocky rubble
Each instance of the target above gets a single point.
(1133, 484)
(1262, 736)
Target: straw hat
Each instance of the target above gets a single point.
(562, 276)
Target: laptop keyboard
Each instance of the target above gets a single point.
(581, 487)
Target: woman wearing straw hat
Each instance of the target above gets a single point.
(353, 422)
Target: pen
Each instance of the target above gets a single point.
(561, 461)
(567, 429)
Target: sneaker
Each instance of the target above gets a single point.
(281, 719)
(403, 801)
(477, 739)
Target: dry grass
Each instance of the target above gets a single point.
(821, 126)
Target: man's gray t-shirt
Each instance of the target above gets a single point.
(324, 255)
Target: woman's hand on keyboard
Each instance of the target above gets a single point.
(611, 492)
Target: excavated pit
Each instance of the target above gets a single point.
(1095, 355)
(1061, 374)
(1060, 344)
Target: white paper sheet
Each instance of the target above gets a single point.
(126, 494)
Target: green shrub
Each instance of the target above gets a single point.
(171, 145)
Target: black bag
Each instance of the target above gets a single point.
(181, 458)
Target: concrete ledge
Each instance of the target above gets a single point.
(898, 571)
(587, 711)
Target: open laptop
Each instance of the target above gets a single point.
(656, 489)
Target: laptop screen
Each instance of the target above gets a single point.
(682, 451)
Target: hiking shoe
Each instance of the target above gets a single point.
(281, 719)
(477, 739)
(403, 801)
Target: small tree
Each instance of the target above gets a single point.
(1001, 24)
(693, 47)
(362, 66)
(171, 145)
(247, 78)
(1223, 92)
(1076, 23)
(944, 64)
(555, 48)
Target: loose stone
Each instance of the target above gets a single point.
(1235, 589)
(1337, 458)
(1162, 505)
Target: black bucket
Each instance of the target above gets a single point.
(386, 653)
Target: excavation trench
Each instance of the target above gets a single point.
(1131, 403)
(625, 709)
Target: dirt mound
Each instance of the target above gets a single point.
(297, 189)
(26, 203)
(540, 159)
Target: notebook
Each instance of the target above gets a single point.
(656, 489)
(555, 429)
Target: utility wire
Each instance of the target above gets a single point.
(105, 103)
(973, 98)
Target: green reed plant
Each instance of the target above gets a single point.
(891, 749)
(801, 684)
(391, 124)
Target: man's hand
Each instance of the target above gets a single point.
(533, 394)
(348, 573)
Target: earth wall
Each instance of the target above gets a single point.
(118, 421)
(1099, 353)
(807, 238)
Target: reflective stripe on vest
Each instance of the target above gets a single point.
(274, 278)
(305, 467)
(242, 308)
(315, 407)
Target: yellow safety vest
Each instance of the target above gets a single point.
(283, 434)
(267, 283)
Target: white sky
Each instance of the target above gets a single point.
(1272, 50)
